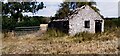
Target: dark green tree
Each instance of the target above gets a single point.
(65, 7)
(63, 11)
(15, 9)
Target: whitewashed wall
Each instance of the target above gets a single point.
(76, 21)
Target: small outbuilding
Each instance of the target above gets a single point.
(84, 19)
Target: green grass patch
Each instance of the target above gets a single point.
(83, 36)
(53, 33)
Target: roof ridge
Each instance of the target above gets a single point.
(76, 11)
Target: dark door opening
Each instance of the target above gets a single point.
(98, 26)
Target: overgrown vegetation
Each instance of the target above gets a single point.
(104, 36)
(57, 42)
(54, 33)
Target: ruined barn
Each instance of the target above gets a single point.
(84, 19)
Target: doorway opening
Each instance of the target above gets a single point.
(98, 26)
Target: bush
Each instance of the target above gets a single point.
(112, 23)
(54, 33)
(8, 23)
(84, 36)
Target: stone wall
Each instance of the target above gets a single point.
(85, 13)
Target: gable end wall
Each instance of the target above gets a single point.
(76, 24)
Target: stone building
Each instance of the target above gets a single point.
(84, 19)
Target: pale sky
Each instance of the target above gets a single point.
(108, 8)
(50, 10)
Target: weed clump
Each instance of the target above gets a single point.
(83, 36)
(54, 33)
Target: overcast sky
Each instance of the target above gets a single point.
(108, 8)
